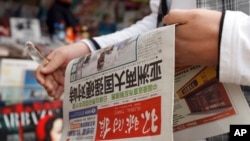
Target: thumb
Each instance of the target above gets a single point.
(53, 64)
(176, 16)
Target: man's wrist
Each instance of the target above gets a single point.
(91, 44)
(82, 47)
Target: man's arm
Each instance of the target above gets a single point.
(51, 77)
(147, 23)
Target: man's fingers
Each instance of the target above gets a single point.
(59, 76)
(39, 76)
(53, 64)
(50, 85)
(176, 16)
(58, 93)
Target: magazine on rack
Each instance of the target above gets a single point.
(19, 122)
(132, 91)
(12, 76)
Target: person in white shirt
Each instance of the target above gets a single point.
(234, 40)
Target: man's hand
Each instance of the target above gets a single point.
(196, 37)
(51, 75)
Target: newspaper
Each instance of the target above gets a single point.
(132, 91)
(122, 92)
(204, 107)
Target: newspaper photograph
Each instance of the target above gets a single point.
(204, 107)
(122, 92)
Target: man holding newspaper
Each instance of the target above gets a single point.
(210, 44)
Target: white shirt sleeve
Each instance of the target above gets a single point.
(147, 23)
(235, 49)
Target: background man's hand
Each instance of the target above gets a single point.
(197, 36)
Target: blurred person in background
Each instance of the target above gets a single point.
(106, 26)
(42, 13)
(60, 12)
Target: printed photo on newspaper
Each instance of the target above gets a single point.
(122, 92)
(204, 107)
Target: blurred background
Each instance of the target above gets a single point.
(24, 105)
